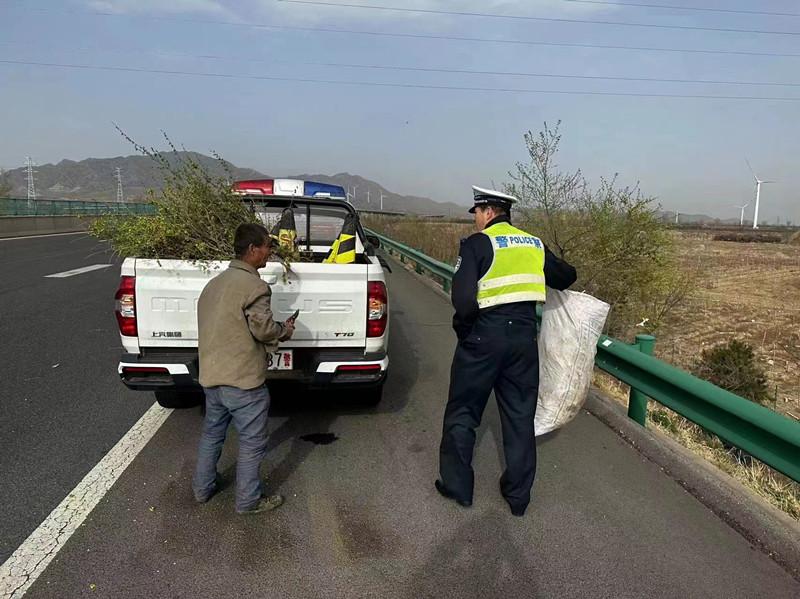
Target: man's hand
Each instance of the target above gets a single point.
(288, 329)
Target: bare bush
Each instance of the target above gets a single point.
(612, 235)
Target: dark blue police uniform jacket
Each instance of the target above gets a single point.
(475, 259)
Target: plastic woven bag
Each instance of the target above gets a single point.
(571, 326)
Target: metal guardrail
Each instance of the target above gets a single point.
(23, 207)
(423, 264)
(764, 434)
(772, 438)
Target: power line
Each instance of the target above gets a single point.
(694, 8)
(530, 18)
(549, 75)
(392, 84)
(140, 52)
(451, 38)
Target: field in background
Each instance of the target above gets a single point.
(747, 291)
(437, 239)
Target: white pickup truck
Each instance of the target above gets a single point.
(342, 331)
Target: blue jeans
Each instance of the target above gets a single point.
(248, 410)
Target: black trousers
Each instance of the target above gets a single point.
(503, 357)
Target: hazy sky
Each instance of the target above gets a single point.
(690, 152)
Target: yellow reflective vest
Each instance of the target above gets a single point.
(517, 270)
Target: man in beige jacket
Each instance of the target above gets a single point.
(236, 334)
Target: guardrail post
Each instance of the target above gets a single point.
(637, 401)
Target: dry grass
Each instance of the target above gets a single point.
(437, 239)
(780, 491)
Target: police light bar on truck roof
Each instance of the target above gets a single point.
(288, 188)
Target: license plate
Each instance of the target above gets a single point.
(280, 360)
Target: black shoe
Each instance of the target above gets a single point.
(517, 510)
(444, 492)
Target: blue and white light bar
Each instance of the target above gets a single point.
(288, 188)
(323, 190)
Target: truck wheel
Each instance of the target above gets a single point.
(179, 399)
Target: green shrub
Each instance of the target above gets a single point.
(733, 367)
(196, 214)
(613, 236)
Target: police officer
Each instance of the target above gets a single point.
(500, 275)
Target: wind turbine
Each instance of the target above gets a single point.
(741, 217)
(758, 192)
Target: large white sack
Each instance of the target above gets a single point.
(571, 326)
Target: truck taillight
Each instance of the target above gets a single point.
(125, 308)
(368, 368)
(377, 309)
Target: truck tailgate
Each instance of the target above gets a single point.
(332, 299)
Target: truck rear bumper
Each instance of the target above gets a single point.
(143, 373)
(318, 369)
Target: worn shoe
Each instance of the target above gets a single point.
(445, 492)
(265, 504)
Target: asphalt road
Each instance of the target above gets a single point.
(362, 518)
(61, 404)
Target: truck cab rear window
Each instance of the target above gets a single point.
(316, 225)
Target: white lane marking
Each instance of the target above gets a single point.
(45, 235)
(77, 271)
(31, 558)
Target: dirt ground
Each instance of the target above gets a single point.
(747, 291)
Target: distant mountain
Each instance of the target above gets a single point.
(94, 179)
(392, 202)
